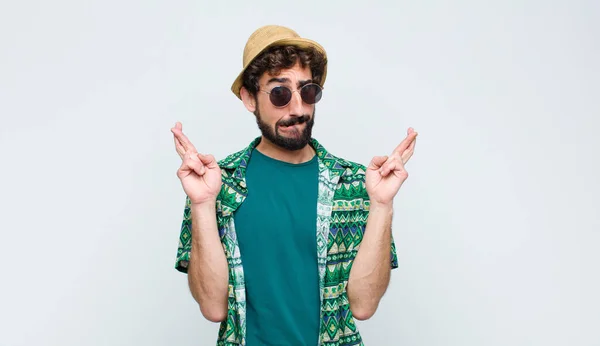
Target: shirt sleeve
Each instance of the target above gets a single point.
(185, 239)
(393, 256)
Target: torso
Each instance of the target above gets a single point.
(276, 231)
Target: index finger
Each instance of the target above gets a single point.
(179, 147)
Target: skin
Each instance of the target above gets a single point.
(208, 275)
(370, 273)
(292, 78)
(200, 177)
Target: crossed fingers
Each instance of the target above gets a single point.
(182, 143)
(400, 156)
(406, 148)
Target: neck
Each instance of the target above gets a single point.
(275, 152)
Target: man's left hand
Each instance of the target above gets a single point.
(386, 174)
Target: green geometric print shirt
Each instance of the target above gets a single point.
(342, 211)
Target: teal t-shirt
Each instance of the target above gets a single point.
(276, 230)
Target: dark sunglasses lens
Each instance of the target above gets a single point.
(311, 93)
(280, 96)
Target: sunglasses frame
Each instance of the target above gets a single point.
(299, 90)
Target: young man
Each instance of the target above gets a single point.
(283, 242)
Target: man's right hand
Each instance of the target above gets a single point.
(200, 175)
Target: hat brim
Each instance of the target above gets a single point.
(298, 42)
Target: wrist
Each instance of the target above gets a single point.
(204, 206)
(381, 206)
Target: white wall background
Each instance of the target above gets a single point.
(497, 227)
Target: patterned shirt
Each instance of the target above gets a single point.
(342, 211)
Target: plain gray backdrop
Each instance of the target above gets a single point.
(497, 226)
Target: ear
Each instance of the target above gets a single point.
(248, 100)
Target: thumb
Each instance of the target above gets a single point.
(377, 162)
(208, 160)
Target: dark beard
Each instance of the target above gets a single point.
(295, 143)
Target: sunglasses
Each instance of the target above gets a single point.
(281, 96)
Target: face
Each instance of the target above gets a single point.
(289, 126)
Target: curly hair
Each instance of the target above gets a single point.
(276, 58)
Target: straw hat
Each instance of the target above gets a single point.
(266, 37)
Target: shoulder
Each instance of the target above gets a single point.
(230, 160)
(352, 177)
(354, 174)
(238, 158)
(350, 194)
(350, 168)
(354, 169)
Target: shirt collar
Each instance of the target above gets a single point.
(236, 163)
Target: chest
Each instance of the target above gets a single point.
(278, 214)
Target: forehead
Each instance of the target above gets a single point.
(293, 75)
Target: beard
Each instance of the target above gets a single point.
(288, 143)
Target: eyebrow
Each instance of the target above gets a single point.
(287, 80)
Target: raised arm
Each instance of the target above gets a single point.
(370, 273)
(208, 274)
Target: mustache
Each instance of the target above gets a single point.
(295, 120)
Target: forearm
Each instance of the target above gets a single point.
(370, 273)
(208, 273)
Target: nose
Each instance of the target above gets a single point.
(296, 104)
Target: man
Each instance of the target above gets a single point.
(283, 242)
